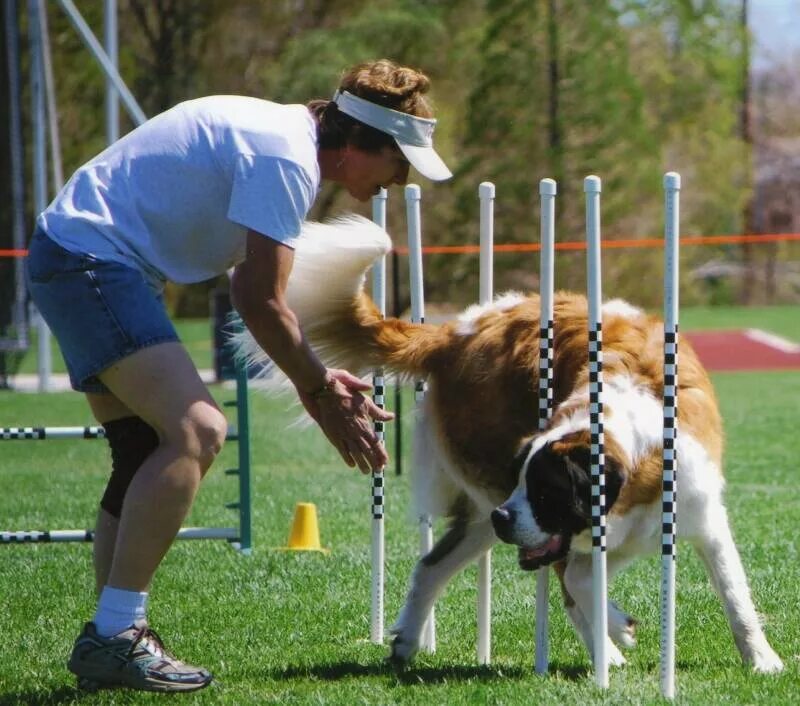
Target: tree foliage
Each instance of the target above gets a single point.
(625, 89)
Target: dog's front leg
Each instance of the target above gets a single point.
(577, 585)
(462, 544)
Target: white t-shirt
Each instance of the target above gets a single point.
(174, 198)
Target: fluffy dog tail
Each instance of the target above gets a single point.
(340, 322)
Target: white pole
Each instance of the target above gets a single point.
(44, 362)
(599, 573)
(50, 100)
(672, 185)
(378, 477)
(414, 221)
(547, 238)
(107, 66)
(486, 193)
(111, 45)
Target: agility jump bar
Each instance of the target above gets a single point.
(43, 433)
(240, 538)
(64, 535)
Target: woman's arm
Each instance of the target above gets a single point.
(332, 397)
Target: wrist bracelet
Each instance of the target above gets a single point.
(326, 389)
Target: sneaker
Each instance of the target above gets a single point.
(135, 658)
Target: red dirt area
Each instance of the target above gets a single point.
(743, 350)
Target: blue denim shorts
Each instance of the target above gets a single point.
(100, 311)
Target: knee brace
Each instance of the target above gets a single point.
(131, 441)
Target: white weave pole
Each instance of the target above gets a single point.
(378, 477)
(414, 225)
(591, 187)
(486, 193)
(547, 239)
(669, 499)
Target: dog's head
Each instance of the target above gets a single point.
(552, 501)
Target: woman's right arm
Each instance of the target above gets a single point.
(332, 397)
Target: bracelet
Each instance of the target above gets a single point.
(326, 389)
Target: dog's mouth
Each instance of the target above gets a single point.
(531, 558)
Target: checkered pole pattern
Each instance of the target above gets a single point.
(42, 433)
(547, 201)
(378, 477)
(414, 225)
(486, 193)
(592, 188)
(669, 498)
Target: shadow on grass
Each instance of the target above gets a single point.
(419, 675)
(64, 695)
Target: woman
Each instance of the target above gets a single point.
(212, 183)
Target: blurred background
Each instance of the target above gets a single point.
(523, 89)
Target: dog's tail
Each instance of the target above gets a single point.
(339, 320)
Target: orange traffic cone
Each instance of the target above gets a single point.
(304, 534)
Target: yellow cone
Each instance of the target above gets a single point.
(304, 534)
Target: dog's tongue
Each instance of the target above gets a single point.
(551, 546)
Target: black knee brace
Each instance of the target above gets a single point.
(131, 440)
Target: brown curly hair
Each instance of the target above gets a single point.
(383, 82)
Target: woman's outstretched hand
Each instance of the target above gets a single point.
(347, 416)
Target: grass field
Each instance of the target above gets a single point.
(289, 628)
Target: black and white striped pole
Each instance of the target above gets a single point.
(378, 477)
(669, 498)
(547, 238)
(592, 187)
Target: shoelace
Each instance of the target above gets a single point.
(147, 633)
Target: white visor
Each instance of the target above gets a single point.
(414, 136)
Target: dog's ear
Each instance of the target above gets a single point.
(579, 469)
(615, 479)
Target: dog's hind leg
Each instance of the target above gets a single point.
(461, 545)
(716, 548)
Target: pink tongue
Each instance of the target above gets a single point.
(551, 545)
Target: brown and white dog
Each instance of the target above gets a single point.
(480, 461)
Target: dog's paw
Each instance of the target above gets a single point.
(765, 661)
(615, 657)
(621, 626)
(402, 652)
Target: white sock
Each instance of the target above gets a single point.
(118, 609)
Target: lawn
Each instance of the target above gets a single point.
(279, 627)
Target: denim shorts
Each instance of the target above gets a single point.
(100, 311)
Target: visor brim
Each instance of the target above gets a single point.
(426, 161)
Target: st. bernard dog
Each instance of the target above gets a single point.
(480, 461)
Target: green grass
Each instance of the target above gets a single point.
(290, 628)
(781, 320)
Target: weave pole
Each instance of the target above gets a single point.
(547, 239)
(669, 498)
(414, 225)
(378, 477)
(592, 187)
(486, 193)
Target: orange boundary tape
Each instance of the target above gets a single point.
(609, 244)
(571, 245)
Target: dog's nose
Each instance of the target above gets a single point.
(503, 523)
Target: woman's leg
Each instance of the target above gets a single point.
(160, 385)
